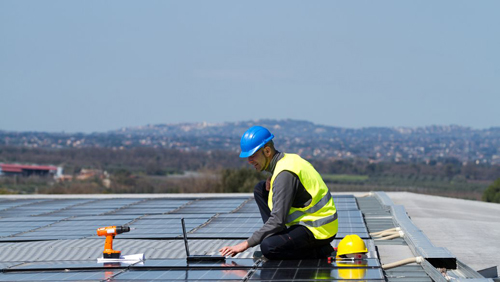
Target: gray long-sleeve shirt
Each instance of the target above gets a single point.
(288, 192)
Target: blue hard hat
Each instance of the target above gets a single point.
(254, 139)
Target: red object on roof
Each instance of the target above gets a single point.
(20, 168)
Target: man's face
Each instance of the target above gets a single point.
(259, 160)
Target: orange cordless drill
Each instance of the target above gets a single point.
(110, 232)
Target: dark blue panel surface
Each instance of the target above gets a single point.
(59, 276)
(321, 263)
(184, 275)
(84, 264)
(308, 274)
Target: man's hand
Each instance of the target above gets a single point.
(233, 250)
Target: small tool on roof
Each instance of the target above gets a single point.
(110, 232)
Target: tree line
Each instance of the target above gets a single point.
(145, 170)
(160, 161)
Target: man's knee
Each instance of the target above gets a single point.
(267, 248)
(276, 247)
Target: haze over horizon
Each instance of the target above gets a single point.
(91, 66)
(257, 122)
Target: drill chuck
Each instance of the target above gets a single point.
(122, 229)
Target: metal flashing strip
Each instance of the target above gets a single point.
(433, 273)
(462, 269)
(383, 199)
(472, 279)
(465, 270)
(419, 244)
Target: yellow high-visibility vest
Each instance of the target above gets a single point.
(320, 216)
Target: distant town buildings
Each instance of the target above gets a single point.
(422, 144)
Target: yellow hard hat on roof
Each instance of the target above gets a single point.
(351, 244)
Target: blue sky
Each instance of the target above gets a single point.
(85, 66)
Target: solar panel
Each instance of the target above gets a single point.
(102, 217)
(321, 269)
(67, 265)
(215, 274)
(212, 205)
(69, 229)
(59, 276)
(113, 202)
(97, 207)
(212, 219)
(5, 265)
(147, 264)
(160, 219)
(203, 210)
(249, 207)
(152, 206)
(350, 214)
(174, 269)
(182, 263)
(10, 203)
(305, 274)
(346, 206)
(161, 227)
(161, 203)
(179, 216)
(242, 225)
(40, 207)
(240, 215)
(143, 211)
(16, 227)
(362, 235)
(321, 263)
(344, 196)
(354, 230)
(31, 219)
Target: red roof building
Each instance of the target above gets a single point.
(27, 170)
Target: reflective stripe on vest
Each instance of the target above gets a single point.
(319, 222)
(296, 214)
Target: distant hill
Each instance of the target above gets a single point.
(462, 144)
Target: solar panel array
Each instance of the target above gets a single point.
(158, 220)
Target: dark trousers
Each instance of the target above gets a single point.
(295, 242)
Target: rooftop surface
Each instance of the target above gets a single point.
(53, 238)
(469, 229)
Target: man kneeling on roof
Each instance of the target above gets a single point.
(300, 219)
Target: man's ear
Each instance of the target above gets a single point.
(267, 151)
